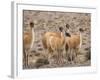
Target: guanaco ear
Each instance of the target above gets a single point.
(68, 34)
(60, 29)
(67, 26)
(31, 24)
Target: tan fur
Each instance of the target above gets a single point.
(56, 42)
(27, 39)
(73, 43)
(53, 42)
(46, 36)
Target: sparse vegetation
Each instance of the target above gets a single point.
(45, 21)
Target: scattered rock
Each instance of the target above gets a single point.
(41, 62)
(50, 21)
(80, 59)
(40, 49)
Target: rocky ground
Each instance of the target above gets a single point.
(50, 21)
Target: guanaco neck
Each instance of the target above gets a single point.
(33, 37)
(61, 34)
(80, 39)
(63, 37)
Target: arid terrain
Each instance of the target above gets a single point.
(45, 21)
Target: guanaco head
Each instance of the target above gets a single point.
(31, 24)
(67, 34)
(81, 30)
(60, 29)
(67, 26)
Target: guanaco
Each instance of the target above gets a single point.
(28, 41)
(74, 43)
